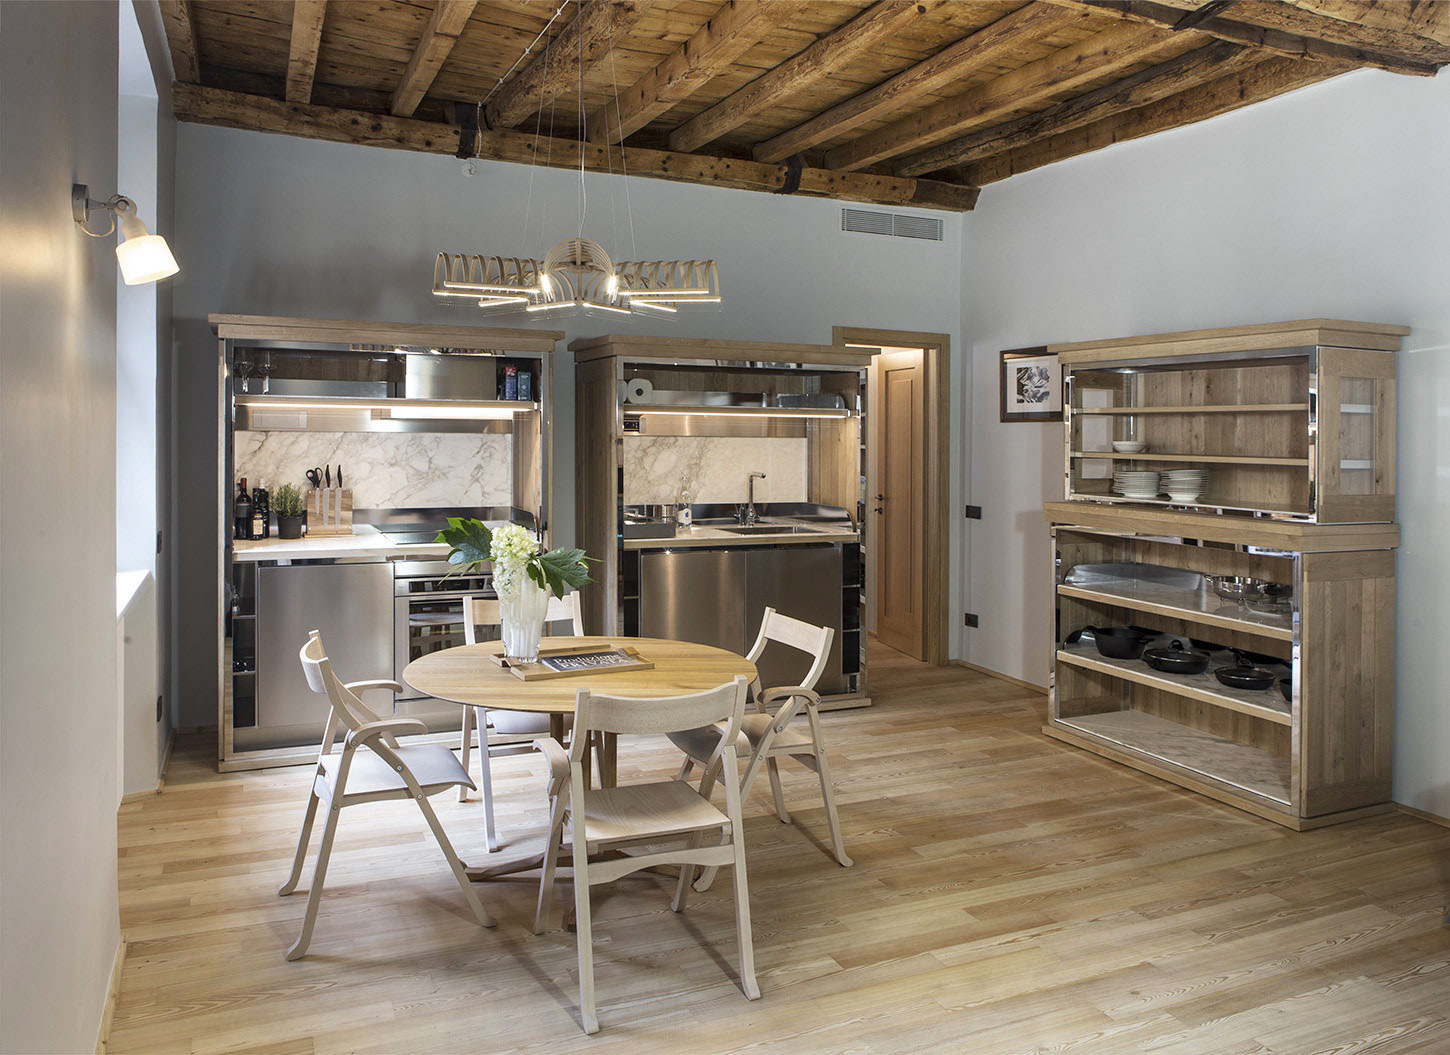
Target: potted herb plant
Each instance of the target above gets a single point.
(523, 576)
(290, 507)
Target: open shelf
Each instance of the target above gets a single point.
(1205, 688)
(1227, 761)
(1198, 606)
(1215, 459)
(1267, 508)
(1227, 408)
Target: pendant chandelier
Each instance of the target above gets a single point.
(577, 274)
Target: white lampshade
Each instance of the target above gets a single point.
(143, 257)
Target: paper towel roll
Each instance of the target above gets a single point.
(639, 390)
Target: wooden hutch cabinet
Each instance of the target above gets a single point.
(1293, 425)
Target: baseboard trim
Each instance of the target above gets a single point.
(998, 675)
(1423, 815)
(113, 988)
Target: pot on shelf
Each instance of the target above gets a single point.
(1117, 642)
(1176, 660)
(1244, 675)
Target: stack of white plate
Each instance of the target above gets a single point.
(1136, 483)
(1184, 485)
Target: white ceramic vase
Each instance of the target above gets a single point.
(523, 609)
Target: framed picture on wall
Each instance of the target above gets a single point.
(1031, 385)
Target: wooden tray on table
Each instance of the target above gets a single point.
(576, 661)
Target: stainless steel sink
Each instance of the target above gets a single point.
(769, 529)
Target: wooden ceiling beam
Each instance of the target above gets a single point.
(234, 110)
(1274, 41)
(1426, 19)
(1271, 77)
(731, 32)
(952, 63)
(1216, 59)
(1062, 71)
(556, 69)
(440, 33)
(798, 72)
(180, 25)
(307, 16)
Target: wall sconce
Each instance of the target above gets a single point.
(143, 257)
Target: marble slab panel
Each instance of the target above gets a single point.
(394, 470)
(713, 468)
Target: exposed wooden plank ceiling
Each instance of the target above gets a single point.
(902, 102)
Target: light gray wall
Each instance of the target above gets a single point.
(58, 912)
(1332, 202)
(277, 225)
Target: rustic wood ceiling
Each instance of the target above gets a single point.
(893, 102)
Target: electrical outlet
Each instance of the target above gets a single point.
(970, 619)
(974, 512)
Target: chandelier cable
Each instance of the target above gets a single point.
(623, 164)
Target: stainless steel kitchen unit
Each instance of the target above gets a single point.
(716, 597)
(351, 603)
(317, 391)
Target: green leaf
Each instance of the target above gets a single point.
(563, 568)
(470, 542)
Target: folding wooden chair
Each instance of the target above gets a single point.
(765, 738)
(596, 820)
(371, 768)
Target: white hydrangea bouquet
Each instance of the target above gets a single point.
(523, 576)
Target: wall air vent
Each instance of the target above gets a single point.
(898, 225)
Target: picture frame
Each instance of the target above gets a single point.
(1030, 381)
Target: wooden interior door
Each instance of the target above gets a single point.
(897, 501)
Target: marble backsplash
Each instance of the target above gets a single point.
(386, 470)
(713, 468)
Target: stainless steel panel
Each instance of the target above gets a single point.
(804, 582)
(352, 604)
(694, 595)
(450, 377)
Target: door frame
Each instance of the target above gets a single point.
(936, 430)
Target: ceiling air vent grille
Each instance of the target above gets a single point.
(898, 225)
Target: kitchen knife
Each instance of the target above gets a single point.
(339, 476)
(327, 474)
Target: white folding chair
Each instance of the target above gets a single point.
(513, 731)
(372, 767)
(644, 816)
(765, 738)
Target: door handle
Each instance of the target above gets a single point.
(879, 510)
(880, 498)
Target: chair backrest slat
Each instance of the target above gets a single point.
(486, 611)
(618, 714)
(346, 706)
(814, 641)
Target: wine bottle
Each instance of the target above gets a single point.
(261, 513)
(242, 511)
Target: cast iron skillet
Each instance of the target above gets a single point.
(1243, 675)
(1286, 689)
(1118, 642)
(1177, 660)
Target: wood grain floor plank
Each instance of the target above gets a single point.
(1010, 894)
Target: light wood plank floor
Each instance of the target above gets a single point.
(1010, 894)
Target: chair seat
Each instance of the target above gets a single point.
(700, 743)
(433, 766)
(669, 807)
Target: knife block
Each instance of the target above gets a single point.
(329, 511)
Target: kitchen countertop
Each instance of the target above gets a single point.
(366, 541)
(708, 535)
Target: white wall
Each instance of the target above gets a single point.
(58, 912)
(275, 225)
(1332, 201)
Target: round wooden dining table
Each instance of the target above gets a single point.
(471, 676)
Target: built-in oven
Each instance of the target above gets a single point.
(427, 617)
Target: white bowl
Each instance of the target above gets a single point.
(1190, 496)
(1129, 446)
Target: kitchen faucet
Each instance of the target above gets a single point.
(748, 516)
